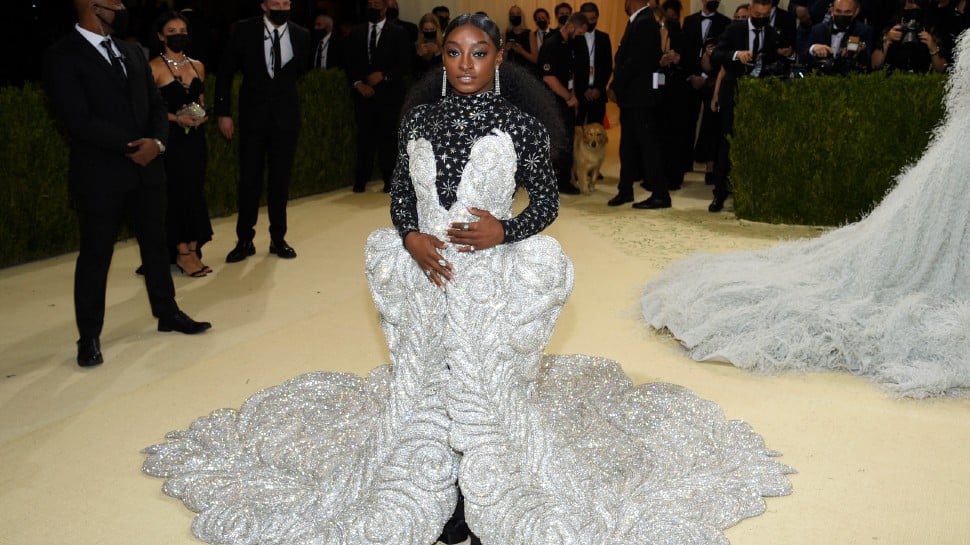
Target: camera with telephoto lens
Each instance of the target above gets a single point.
(911, 29)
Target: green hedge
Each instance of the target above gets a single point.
(36, 220)
(820, 151)
(824, 150)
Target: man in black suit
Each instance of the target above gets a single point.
(272, 53)
(104, 94)
(786, 26)
(701, 31)
(845, 41)
(635, 72)
(326, 52)
(394, 16)
(377, 57)
(594, 68)
(742, 46)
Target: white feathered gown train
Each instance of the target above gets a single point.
(887, 297)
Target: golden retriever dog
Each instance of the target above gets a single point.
(589, 150)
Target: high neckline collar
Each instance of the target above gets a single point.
(470, 100)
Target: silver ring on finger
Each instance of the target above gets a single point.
(427, 272)
(471, 249)
(466, 227)
(442, 262)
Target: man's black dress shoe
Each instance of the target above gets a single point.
(89, 352)
(652, 203)
(241, 251)
(569, 190)
(619, 200)
(180, 321)
(282, 249)
(716, 205)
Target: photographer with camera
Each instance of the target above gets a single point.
(841, 45)
(910, 44)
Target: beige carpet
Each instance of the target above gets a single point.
(872, 469)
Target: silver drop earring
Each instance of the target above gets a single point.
(498, 88)
(444, 82)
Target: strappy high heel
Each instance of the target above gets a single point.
(196, 274)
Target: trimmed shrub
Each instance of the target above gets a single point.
(824, 150)
(37, 220)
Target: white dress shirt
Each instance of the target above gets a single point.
(286, 46)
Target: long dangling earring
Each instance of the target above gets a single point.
(444, 82)
(498, 87)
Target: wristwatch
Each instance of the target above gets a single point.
(161, 146)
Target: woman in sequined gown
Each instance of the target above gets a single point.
(546, 449)
(180, 80)
(887, 298)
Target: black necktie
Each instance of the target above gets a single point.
(757, 43)
(372, 43)
(115, 60)
(277, 53)
(320, 50)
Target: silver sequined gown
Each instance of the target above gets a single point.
(887, 297)
(548, 449)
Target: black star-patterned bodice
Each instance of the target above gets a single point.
(452, 126)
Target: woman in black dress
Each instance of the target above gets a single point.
(180, 80)
(521, 46)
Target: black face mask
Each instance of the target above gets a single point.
(543, 24)
(913, 14)
(562, 19)
(590, 27)
(712, 6)
(515, 20)
(393, 13)
(759, 22)
(278, 16)
(431, 36)
(120, 24)
(841, 22)
(177, 43)
(374, 15)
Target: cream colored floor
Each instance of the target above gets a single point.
(872, 469)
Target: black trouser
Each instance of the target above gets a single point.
(99, 217)
(675, 97)
(258, 148)
(376, 132)
(564, 165)
(590, 111)
(640, 151)
(709, 133)
(722, 165)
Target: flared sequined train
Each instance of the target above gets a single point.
(547, 449)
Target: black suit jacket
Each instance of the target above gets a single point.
(637, 58)
(392, 58)
(101, 112)
(603, 58)
(786, 25)
(822, 34)
(264, 102)
(694, 38)
(733, 39)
